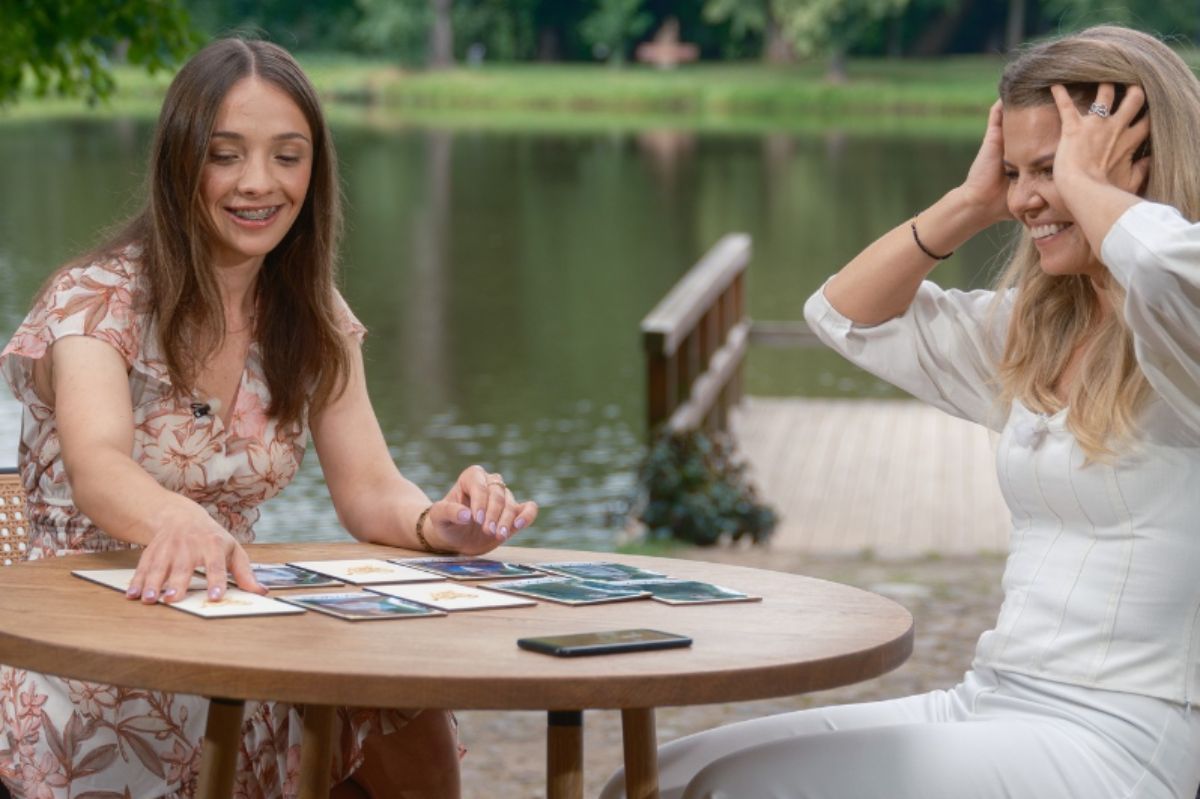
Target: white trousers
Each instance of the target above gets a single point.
(994, 735)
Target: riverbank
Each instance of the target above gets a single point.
(944, 87)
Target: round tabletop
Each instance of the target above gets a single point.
(806, 635)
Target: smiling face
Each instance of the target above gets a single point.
(1030, 140)
(257, 172)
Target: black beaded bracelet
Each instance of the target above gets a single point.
(924, 249)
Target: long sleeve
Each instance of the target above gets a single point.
(942, 350)
(1155, 254)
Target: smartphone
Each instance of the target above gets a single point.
(603, 643)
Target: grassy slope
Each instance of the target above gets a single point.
(940, 96)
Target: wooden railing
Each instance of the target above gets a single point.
(695, 341)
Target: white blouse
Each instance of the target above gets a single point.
(1102, 583)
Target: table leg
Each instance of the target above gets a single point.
(564, 755)
(641, 753)
(316, 751)
(218, 756)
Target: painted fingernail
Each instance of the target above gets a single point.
(169, 592)
(504, 532)
(149, 594)
(518, 524)
(464, 516)
(479, 517)
(132, 591)
(214, 592)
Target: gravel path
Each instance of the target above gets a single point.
(952, 600)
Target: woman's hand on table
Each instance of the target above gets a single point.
(477, 515)
(184, 541)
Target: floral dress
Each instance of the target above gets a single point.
(64, 738)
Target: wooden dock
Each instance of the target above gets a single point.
(893, 478)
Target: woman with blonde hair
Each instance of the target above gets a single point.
(1086, 361)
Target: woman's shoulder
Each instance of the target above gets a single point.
(119, 266)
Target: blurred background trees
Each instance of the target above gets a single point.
(65, 46)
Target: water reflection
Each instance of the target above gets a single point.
(502, 276)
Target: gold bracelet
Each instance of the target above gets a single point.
(421, 535)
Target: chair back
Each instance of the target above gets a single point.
(14, 524)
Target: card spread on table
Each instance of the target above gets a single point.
(366, 571)
(569, 591)
(235, 602)
(362, 606)
(282, 575)
(452, 596)
(688, 592)
(119, 578)
(468, 568)
(599, 570)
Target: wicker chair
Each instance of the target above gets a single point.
(14, 537)
(13, 531)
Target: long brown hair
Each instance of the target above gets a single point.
(1053, 316)
(305, 357)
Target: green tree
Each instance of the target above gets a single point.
(415, 31)
(67, 47)
(831, 26)
(399, 28)
(753, 19)
(300, 26)
(612, 26)
(506, 29)
(1148, 15)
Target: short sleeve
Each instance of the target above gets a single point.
(1154, 252)
(96, 300)
(942, 350)
(347, 322)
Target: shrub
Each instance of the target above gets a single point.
(692, 489)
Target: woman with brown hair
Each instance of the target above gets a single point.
(1086, 361)
(171, 379)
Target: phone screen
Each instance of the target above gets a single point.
(606, 642)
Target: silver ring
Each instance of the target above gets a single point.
(1099, 109)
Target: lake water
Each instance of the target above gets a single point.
(502, 276)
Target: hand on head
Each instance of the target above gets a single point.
(1098, 146)
(478, 514)
(985, 187)
(169, 561)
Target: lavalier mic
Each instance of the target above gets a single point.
(209, 408)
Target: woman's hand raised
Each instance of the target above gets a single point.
(1094, 167)
(477, 515)
(985, 188)
(1097, 148)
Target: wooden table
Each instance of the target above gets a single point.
(806, 635)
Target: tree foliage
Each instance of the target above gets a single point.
(612, 25)
(66, 47)
(818, 26)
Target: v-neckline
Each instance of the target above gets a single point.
(222, 419)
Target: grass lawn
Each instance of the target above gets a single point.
(880, 93)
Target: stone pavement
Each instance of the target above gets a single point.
(952, 599)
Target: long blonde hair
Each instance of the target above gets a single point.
(1053, 316)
